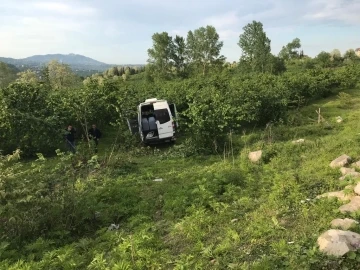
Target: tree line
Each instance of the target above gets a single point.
(179, 57)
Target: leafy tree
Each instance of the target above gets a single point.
(131, 70)
(335, 54)
(300, 65)
(96, 78)
(255, 46)
(323, 59)
(28, 76)
(7, 74)
(27, 119)
(308, 63)
(276, 65)
(179, 54)
(61, 76)
(335, 57)
(121, 70)
(350, 55)
(160, 53)
(112, 72)
(149, 71)
(126, 75)
(290, 51)
(203, 47)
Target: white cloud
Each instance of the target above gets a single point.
(347, 11)
(226, 24)
(280, 30)
(38, 35)
(222, 21)
(179, 32)
(65, 9)
(228, 34)
(39, 27)
(112, 31)
(49, 25)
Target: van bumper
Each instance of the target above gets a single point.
(157, 140)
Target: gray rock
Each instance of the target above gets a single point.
(299, 141)
(356, 164)
(255, 156)
(352, 206)
(341, 161)
(338, 194)
(352, 175)
(343, 224)
(357, 189)
(339, 119)
(349, 187)
(338, 242)
(345, 171)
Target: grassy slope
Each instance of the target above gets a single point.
(214, 214)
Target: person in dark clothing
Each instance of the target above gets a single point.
(70, 138)
(95, 135)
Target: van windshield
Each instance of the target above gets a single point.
(162, 115)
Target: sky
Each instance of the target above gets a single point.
(119, 32)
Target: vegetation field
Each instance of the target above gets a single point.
(197, 204)
(208, 212)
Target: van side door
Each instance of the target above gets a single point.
(133, 125)
(163, 119)
(173, 110)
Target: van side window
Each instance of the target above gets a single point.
(162, 115)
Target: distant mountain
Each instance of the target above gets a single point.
(70, 59)
(76, 61)
(7, 60)
(81, 65)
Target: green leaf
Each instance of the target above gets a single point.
(352, 255)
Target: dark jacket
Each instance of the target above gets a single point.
(70, 135)
(95, 133)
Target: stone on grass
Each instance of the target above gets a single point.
(343, 224)
(357, 189)
(339, 119)
(345, 171)
(349, 188)
(299, 141)
(338, 242)
(356, 164)
(255, 156)
(338, 194)
(352, 206)
(352, 175)
(341, 161)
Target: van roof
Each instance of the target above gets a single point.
(152, 100)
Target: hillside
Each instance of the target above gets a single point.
(205, 212)
(7, 74)
(76, 61)
(70, 59)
